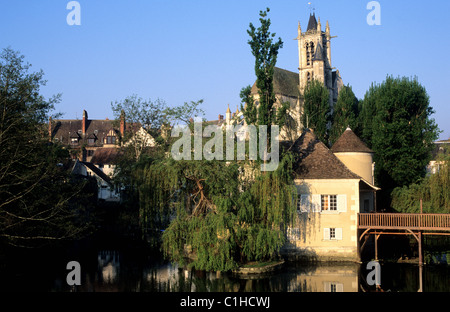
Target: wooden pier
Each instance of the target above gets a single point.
(415, 224)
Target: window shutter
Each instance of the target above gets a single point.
(339, 287)
(316, 203)
(338, 233)
(342, 203)
(326, 233)
(304, 203)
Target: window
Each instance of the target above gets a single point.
(329, 202)
(333, 287)
(332, 204)
(73, 141)
(91, 141)
(332, 234)
(110, 140)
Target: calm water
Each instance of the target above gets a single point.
(127, 269)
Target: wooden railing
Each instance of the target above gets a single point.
(411, 221)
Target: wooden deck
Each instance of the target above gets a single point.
(415, 224)
(404, 221)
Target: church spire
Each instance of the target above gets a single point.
(312, 24)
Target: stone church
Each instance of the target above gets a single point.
(314, 52)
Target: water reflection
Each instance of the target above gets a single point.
(115, 272)
(108, 265)
(110, 270)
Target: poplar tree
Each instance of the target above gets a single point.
(316, 113)
(265, 50)
(345, 114)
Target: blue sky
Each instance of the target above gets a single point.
(182, 51)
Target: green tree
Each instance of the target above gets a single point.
(222, 222)
(432, 190)
(39, 202)
(316, 110)
(400, 130)
(345, 114)
(265, 50)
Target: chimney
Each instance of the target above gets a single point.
(220, 117)
(84, 123)
(122, 123)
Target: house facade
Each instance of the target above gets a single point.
(330, 192)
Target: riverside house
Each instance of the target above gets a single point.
(333, 186)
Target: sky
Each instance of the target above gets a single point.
(182, 51)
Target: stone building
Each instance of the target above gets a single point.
(314, 53)
(333, 186)
(83, 137)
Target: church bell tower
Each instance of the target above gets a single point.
(314, 52)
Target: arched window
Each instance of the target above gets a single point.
(309, 52)
(308, 58)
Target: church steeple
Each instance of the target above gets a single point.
(312, 24)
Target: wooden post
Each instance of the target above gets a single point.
(420, 248)
(420, 234)
(376, 246)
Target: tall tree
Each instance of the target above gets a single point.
(345, 114)
(316, 110)
(401, 130)
(37, 199)
(265, 50)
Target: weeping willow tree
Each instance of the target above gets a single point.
(433, 190)
(218, 224)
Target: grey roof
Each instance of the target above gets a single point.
(316, 161)
(318, 55)
(65, 129)
(285, 82)
(350, 142)
(312, 24)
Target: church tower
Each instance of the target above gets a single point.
(314, 52)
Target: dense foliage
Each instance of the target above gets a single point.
(221, 223)
(433, 190)
(316, 111)
(400, 130)
(345, 114)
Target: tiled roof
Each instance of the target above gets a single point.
(316, 161)
(104, 155)
(285, 82)
(349, 142)
(62, 130)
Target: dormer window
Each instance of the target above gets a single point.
(91, 139)
(110, 140)
(74, 141)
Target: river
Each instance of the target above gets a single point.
(112, 266)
